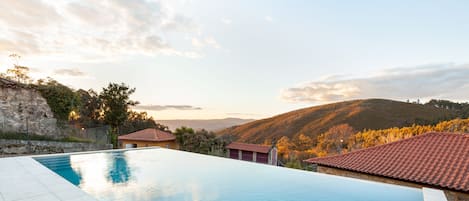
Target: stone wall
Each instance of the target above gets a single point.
(451, 195)
(24, 147)
(25, 110)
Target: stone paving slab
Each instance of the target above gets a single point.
(23, 178)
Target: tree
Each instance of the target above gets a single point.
(284, 147)
(18, 73)
(302, 142)
(335, 139)
(180, 134)
(61, 99)
(139, 121)
(90, 109)
(201, 141)
(115, 105)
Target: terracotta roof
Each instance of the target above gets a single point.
(249, 147)
(149, 134)
(437, 159)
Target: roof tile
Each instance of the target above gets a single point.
(149, 134)
(438, 159)
(249, 147)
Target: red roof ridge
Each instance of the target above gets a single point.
(264, 145)
(148, 134)
(393, 143)
(250, 147)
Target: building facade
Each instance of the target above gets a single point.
(147, 138)
(252, 152)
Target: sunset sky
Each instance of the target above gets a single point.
(249, 59)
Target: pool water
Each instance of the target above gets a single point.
(170, 175)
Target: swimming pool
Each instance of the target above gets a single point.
(169, 175)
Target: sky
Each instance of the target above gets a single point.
(212, 59)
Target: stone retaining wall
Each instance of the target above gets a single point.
(24, 110)
(24, 147)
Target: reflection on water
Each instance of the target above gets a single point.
(73, 176)
(62, 166)
(163, 174)
(119, 172)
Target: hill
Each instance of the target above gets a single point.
(207, 124)
(360, 114)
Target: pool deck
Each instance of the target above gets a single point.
(23, 178)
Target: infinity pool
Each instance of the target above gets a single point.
(163, 174)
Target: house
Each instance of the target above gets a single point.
(148, 137)
(253, 152)
(435, 160)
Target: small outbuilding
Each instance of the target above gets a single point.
(147, 138)
(265, 154)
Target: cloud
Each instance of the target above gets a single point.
(226, 21)
(70, 72)
(27, 13)
(268, 18)
(206, 42)
(94, 29)
(431, 81)
(166, 107)
(19, 41)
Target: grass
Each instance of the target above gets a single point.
(24, 136)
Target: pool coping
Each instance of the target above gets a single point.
(37, 182)
(23, 178)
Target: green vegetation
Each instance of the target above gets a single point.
(115, 105)
(201, 141)
(90, 110)
(24, 136)
(461, 109)
(86, 108)
(61, 99)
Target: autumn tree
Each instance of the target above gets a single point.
(284, 147)
(302, 142)
(370, 138)
(18, 73)
(335, 139)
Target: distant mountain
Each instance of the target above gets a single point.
(360, 114)
(207, 124)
